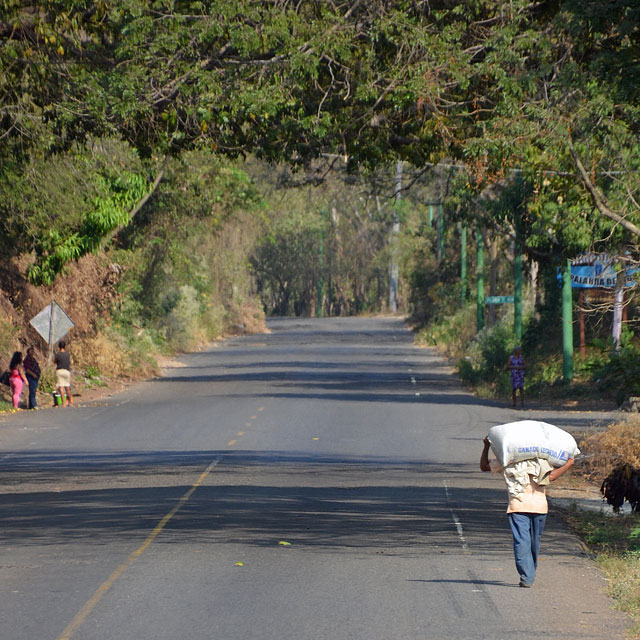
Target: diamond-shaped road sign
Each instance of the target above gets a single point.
(52, 323)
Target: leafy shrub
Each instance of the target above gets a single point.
(182, 324)
(453, 332)
(620, 373)
(47, 382)
(213, 321)
(487, 356)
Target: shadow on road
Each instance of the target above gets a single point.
(315, 502)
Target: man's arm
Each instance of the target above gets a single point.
(484, 458)
(556, 473)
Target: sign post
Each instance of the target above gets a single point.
(603, 271)
(567, 324)
(52, 323)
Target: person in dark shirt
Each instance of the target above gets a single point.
(32, 371)
(63, 373)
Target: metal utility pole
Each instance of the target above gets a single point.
(463, 263)
(395, 230)
(567, 324)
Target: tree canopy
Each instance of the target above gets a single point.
(545, 90)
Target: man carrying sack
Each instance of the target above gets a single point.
(526, 480)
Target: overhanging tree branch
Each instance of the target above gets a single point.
(143, 200)
(597, 197)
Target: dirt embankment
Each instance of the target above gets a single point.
(85, 292)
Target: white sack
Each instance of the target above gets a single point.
(527, 439)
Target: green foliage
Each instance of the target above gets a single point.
(93, 377)
(63, 206)
(289, 263)
(182, 321)
(617, 372)
(324, 245)
(368, 80)
(185, 255)
(47, 382)
(487, 357)
(604, 533)
(54, 250)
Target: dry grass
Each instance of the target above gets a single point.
(108, 353)
(623, 573)
(614, 539)
(248, 315)
(102, 352)
(618, 443)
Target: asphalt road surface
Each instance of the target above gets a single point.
(317, 482)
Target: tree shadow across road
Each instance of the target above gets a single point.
(328, 503)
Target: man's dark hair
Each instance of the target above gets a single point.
(62, 344)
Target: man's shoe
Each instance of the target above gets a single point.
(525, 585)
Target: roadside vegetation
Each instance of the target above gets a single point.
(613, 455)
(601, 374)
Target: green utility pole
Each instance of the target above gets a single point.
(567, 324)
(463, 263)
(480, 282)
(517, 281)
(440, 233)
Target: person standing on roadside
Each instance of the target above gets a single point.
(16, 378)
(516, 368)
(63, 373)
(526, 481)
(32, 371)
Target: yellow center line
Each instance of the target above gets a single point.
(231, 443)
(81, 616)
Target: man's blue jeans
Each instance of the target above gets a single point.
(33, 386)
(527, 530)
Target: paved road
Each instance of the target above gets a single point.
(163, 514)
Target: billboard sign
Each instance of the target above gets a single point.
(597, 271)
